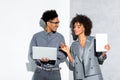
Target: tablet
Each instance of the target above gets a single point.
(101, 41)
(44, 52)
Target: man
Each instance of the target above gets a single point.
(48, 69)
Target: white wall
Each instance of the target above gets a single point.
(105, 15)
(19, 20)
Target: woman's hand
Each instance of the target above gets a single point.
(65, 48)
(107, 47)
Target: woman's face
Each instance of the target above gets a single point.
(78, 29)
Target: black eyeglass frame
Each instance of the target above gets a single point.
(54, 22)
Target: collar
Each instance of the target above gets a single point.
(50, 33)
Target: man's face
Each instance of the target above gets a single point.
(53, 24)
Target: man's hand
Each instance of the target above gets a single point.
(44, 59)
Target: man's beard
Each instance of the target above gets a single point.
(54, 31)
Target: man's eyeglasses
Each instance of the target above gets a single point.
(54, 22)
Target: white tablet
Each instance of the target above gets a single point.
(101, 41)
(44, 52)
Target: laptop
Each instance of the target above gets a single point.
(44, 52)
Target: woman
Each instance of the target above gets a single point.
(82, 55)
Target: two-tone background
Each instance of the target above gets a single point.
(19, 20)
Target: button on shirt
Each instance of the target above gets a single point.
(51, 39)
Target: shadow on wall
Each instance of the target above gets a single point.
(30, 66)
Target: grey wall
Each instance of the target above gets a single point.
(105, 15)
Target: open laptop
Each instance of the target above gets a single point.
(44, 52)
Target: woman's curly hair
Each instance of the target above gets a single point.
(82, 19)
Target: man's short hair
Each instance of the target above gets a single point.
(49, 15)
